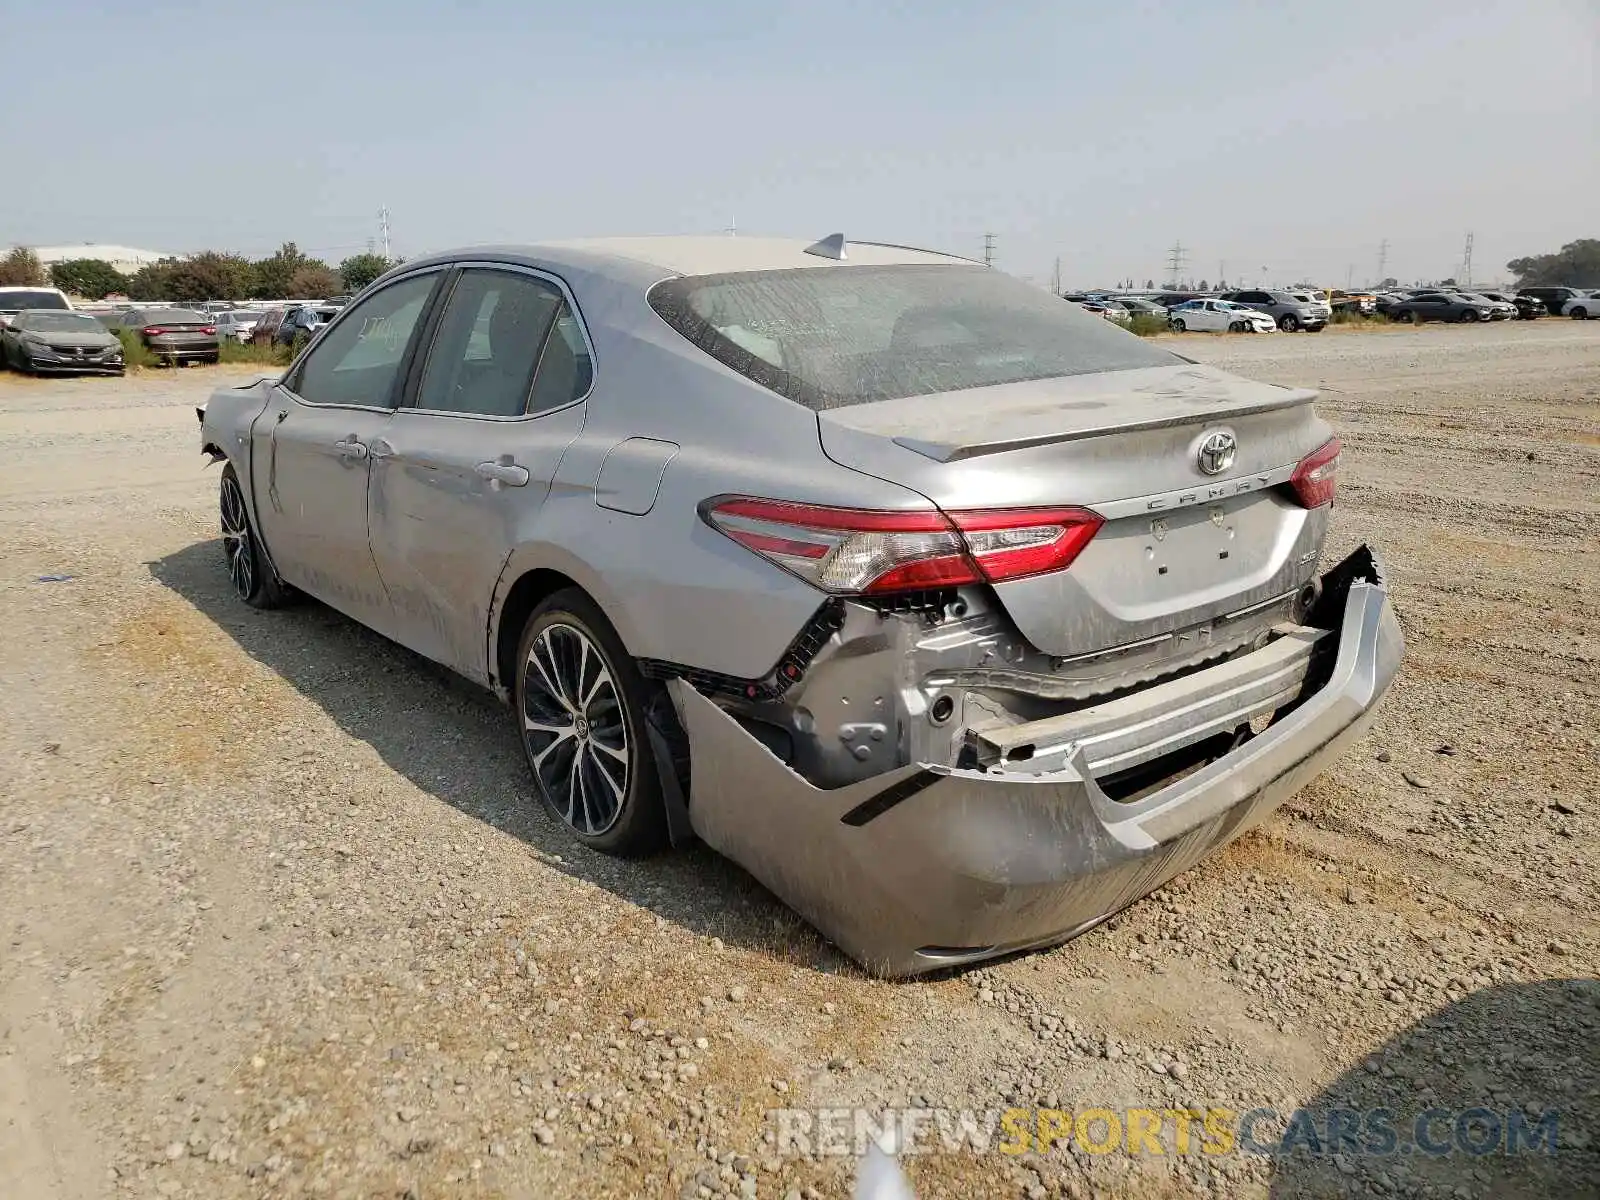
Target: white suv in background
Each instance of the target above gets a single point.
(14, 299)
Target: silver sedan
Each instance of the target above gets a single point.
(958, 616)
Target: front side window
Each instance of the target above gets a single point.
(829, 337)
(489, 343)
(359, 361)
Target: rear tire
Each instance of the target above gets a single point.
(580, 705)
(1578, 314)
(248, 569)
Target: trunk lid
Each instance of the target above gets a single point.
(1181, 549)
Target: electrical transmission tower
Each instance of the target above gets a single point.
(988, 249)
(1055, 278)
(1177, 259)
(1466, 262)
(383, 229)
(1383, 260)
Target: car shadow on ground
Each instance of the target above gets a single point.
(1493, 1095)
(455, 741)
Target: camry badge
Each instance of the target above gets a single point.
(1216, 452)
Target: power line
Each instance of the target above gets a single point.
(1177, 259)
(988, 249)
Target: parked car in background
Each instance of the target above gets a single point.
(14, 299)
(1290, 311)
(303, 321)
(1553, 298)
(1168, 299)
(237, 324)
(1527, 308)
(685, 502)
(1441, 306)
(1361, 303)
(1583, 307)
(173, 336)
(1138, 306)
(59, 341)
(265, 331)
(1500, 310)
(1101, 307)
(1220, 316)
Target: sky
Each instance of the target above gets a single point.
(1273, 140)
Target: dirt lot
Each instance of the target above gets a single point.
(279, 917)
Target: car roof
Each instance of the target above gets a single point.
(691, 255)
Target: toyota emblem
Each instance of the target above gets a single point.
(1216, 452)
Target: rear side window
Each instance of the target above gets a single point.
(830, 337)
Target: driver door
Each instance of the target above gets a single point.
(313, 449)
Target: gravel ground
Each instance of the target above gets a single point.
(278, 916)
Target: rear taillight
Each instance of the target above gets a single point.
(154, 330)
(1317, 475)
(851, 551)
(208, 329)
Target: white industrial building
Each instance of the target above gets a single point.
(124, 258)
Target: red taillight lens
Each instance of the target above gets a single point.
(1316, 476)
(862, 551)
(208, 329)
(154, 330)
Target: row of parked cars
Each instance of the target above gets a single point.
(42, 332)
(1245, 311)
(1310, 309)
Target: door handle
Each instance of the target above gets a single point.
(351, 447)
(503, 472)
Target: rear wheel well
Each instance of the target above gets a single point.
(525, 596)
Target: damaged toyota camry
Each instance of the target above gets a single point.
(959, 617)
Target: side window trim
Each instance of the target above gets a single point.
(414, 379)
(291, 378)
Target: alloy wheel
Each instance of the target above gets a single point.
(577, 736)
(236, 539)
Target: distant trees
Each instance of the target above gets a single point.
(92, 278)
(361, 269)
(153, 281)
(274, 275)
(316, 280)
(209, 275)
(1149, 285)
(21, 268)
(1577, 264)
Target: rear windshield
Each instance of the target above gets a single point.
(175, 316)
(830, 337)
(56, 321)
(11, 301)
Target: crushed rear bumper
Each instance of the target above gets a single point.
(930, 866)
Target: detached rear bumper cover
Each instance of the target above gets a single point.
(929, 866)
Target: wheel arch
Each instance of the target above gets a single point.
(532, 574)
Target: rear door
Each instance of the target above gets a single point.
(313, 448)
(462, 470)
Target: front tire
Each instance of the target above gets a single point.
(1236, 327)
(1579, 314)
(580, 712)
(1178, 325)
(1468, 316)
(1290, 323)
(248, 570)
